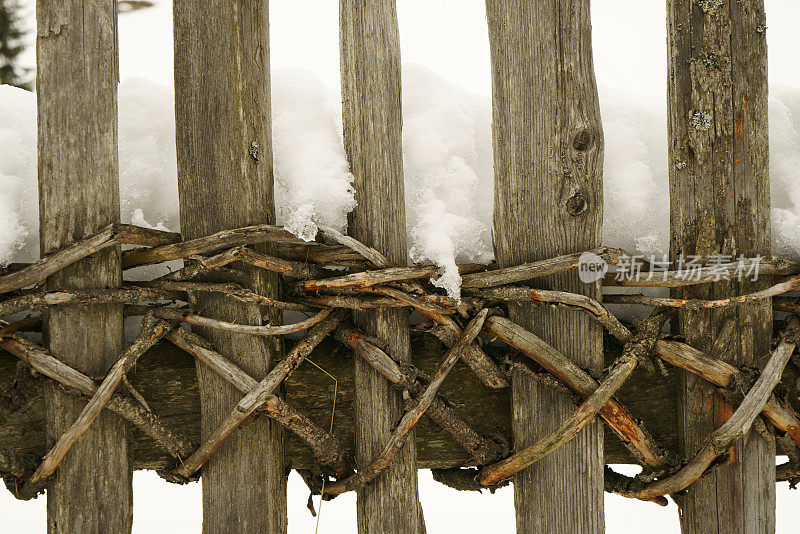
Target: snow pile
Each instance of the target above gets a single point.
(635, 175)
(447, 162)
(311, 171)
(784, 170)
(448, 174)
(19, 208)
(148, 174)
(312, 178)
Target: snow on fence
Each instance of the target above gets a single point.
(529, 329)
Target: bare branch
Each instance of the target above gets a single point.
(733, 429)
(640, 346)
(260, 394)
(150, 333)
(112, 235)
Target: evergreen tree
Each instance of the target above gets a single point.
(10, 44)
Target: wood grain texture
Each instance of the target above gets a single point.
(548, 154)
(372, 123)
(167, 378)
(223, 131)
(76, 49)
(719, 203)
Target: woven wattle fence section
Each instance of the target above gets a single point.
(363, 279)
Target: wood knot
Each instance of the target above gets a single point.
(576, 204)
(583, 140)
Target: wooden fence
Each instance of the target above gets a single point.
(228, 401)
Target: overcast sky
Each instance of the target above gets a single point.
(450, 37)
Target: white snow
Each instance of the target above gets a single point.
(784, 170)
(635, 174)
(447, 145)
(447, 162)
(313, 183)
(19, 209)
(148, 172)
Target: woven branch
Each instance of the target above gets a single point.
(111, 236)
(480, 448)
(259, 395)
(641, 445)
(638, 348)
(36, 301)
(324, 445)
(422, 403)
(527, 271)
(149, 334)
(382, 285)
(225, 239)
(255, 330)
(734, 428)
(789, 283)
(77, 383)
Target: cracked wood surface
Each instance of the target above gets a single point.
(224, 150)
(548, 156)
(372, 125)
(77, 75)
(719, 205)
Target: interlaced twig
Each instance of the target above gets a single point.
(479, 448)
(383, 285)
(255, 330)
(111, 236)
(150, 333)
(789, 283)
(734, 428)
(639, 347)
(324, 445)
(621, 421)
(78, 383)
(259, 395)
(423, 402)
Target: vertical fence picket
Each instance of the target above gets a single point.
(548, 201)
(78, 195)
(224, 144)
(371, 116)
(548, 157)
(719, 203)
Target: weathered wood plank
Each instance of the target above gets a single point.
(719, 203)
(223, 131)
(548, 156)
(372, 123)
(167, 378)
(76, 50)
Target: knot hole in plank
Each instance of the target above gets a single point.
(584, 139)
(576, 204)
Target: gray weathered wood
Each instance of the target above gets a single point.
(720, 443)
(167, 378)
(223, 131)
(76, 50)
(372, 122)
(548, 155)
(637, 348)
(149, 336)
(417, 408)
(719, 203)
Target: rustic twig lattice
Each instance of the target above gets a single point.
(373, 283)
